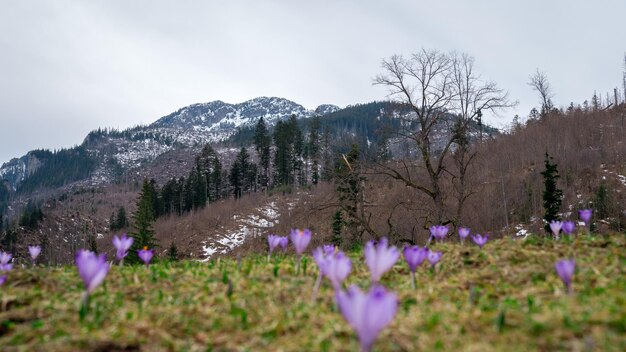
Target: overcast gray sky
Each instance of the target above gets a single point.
(68, 67)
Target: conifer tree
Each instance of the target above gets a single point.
(327, 166)
(121, 220)
(314, 148)
(143, 218)
(242, 174)
(172, 252)
(337, 225)
(210, 168)
(262, 145)
(551, 195)
(282, 154)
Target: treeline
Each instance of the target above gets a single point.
(363, 124)
(59, 168)
(133, 134)
(287, 157)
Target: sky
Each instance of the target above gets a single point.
(69, 67)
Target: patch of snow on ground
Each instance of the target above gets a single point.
(249, 225)
(521, 231)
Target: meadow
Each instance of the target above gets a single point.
(505, 296)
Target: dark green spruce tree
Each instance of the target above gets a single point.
(314, 148)
(242, 175)
(143, 218)
(121, 220)
(210, 168)
(552, 196)
(337, 225)
(262, 145)
(283, 152)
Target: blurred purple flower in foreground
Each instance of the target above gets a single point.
(5, 258)
(367, 313)
(439, 232)
(283, 241)
(300, 239)
(34, 252)
(145, 255)
(92, 269)
(463, 233)
(122, 245)
(335, 266)
(568, 227)
(3, 279)
(338, 267)
(273, 241)
(415, 256)
(555, 226)
(565, 269)
(480, 240)
(585, 215)
(380, 258)
(433, 258)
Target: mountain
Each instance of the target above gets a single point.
(110, 152)
(167, 148)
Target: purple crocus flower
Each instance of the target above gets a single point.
(568, 227)
(367, 313)
(321, 259)
(480, 240)
(3, 279)
(565, 269)
(433, 257)
(555, 226)
(92, 269)
(273, 241)
(439, 232)
(380, 258)
(5, 258)
(122, 245)
(463, 233)
(145, 255)
(328, 249)
(585, 215)
(284, 241)
(338, 267)
(300, 239)
(34, 252)
(320, 256)
(415, 256)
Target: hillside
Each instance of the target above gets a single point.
(505, 297)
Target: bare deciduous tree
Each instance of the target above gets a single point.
(539, 82)
(472, 97)
(436, 86)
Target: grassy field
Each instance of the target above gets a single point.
(505, 297)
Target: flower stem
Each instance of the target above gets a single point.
(412, 280)
(84, 305)
(316, 287)
(298, 265)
